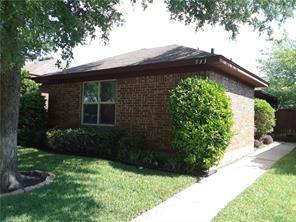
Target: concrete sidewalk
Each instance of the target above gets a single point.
(203, 200)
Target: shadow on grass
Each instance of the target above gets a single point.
(72, 196)
(63, 200)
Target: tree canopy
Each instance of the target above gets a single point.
(35, 27)
(232, 13)
(280, 68)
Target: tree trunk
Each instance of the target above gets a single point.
(9, 109)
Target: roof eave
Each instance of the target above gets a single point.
(239, 72)
(216, 61)
(125, 69)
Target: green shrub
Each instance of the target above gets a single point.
(101, 141)
(33, 116)
(106, 141)
(112, 143)
(264, 118)
(169, 161)
(144, 157)
(201, 118)
(32, 119)
(27, 84)
(78, 140)
(130, 146)
(131, 141)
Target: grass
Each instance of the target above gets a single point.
(87, 189)
(271, 198)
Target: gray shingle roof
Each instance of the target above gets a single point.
(140, 57)
(39, 68)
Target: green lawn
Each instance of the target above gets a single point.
(271, 198)
(87, 189)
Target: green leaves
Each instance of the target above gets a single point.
(264, 118)
(231, 14)
(280, 68)
(32, 119)
(33, 116)
(201, 119)
(32, 28)
(27, 84)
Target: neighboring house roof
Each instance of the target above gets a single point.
(272, 100)
(39, 68)
(154, 59)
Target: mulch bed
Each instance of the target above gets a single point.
(30, 181)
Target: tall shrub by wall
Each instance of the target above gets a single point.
(201, 118)
(32, 116)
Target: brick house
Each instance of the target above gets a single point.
(131, 91)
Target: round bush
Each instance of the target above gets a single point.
(201, 118)
(264, 118)
(32, 119)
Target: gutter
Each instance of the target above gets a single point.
(243, 71)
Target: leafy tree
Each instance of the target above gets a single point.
(33, 28)
(27, 84)
(30, 29)
(232, 13)
(280, 69)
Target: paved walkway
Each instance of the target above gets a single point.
(202, 201)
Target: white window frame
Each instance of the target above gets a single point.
(98, 103)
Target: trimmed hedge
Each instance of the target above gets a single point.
(264, 118)
(89, 140)
(201, 117)
(112, 143)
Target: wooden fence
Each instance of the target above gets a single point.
(285, 128)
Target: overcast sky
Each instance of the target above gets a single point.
(153, 28)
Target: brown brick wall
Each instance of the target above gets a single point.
(242, 101)
(64, 104)
(142, 105)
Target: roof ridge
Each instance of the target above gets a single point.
(129, 53)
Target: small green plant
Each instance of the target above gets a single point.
(133, 141)
(264, 118)
(106, 141)
(201, 118)
(133, 147)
